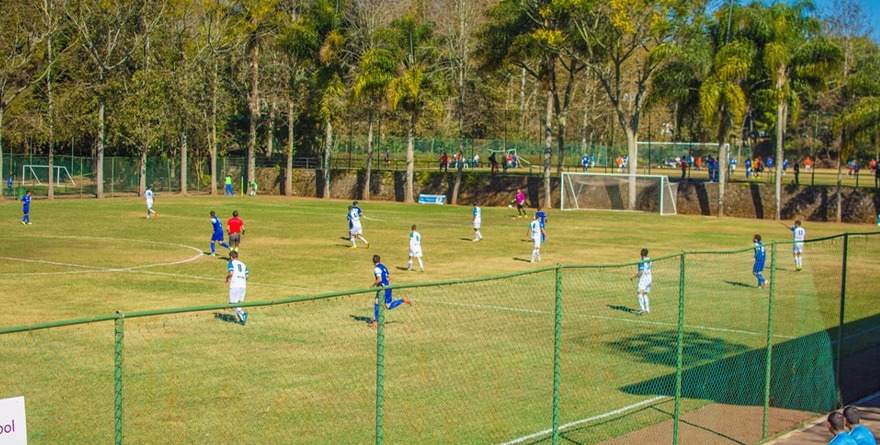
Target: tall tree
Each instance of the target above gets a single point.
(329, 76)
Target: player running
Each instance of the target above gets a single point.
(26, 208)
(148, 196)
(535, 233)
(382, 275)
(760, 256)
(415, 249)
(797, 249)
(644, 276)
(478, 220)
(235, 228)
(236, 279)
(217, 236)
(355, 230)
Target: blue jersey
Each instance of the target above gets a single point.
(760, 256)
(862, 435)
(9, 182)
(585, 160)
(542, 216)
(358, 210)
(218, 227)
(380, 271)
(27, 202)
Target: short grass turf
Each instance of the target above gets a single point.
(472, 361)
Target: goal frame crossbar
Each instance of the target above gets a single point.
(566, 185)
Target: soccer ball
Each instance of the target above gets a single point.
(510, 206)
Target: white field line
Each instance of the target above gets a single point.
(589, 419)
(599, 317)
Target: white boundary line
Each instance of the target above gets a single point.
(589, 419)
(599, 317)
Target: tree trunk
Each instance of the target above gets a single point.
(410, 135)
(142, 171)
(254, 109)
(328, 145)
(288, 172)
(369, 169)
(2, 109)
(183, 154)
(561, 119)
(839, 216)
(49, 116)
(214, 92)
(548, 152)
(781, 119)
(632, 162)
(270, 132)
(99, 154)
(723, 156)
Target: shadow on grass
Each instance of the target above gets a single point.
(738, 283)
(622, 309)
(465, 239)
(522, 259)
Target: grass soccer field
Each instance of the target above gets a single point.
(466, 360)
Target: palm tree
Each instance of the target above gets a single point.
(374, 74)
(723, 100)
(416, 85)
(796, 57)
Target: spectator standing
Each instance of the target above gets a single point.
(444, 162)
(494, 163)
(797, 173)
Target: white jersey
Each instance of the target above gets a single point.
(535, 230)
(148, 195)
(415, 244)
(478, 216)
(800, 234)
(645, 278)
(239, 274)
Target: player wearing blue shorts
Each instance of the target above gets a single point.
(381, 273)
(217, 236)
(542, 218)
(26, 207)
(760, 257)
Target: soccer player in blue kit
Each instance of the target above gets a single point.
(26, 207)
(381, 273)
(760, 256)
(217, 236)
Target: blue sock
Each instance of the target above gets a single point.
(376, 312)
(213, 248)
(395, 303)
(224, 245)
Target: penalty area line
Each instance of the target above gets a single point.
(589, 419)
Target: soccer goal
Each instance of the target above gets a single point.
(598, 191)
(38, 174)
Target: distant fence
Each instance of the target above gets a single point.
(548, 354)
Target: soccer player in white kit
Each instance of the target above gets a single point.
(236, 279)
(535, 232)
(148, 196)
(797, 249)
(355, 229)
(415, 249)
(478, 220)
(644, 276)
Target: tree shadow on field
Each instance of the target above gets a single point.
(738, 283)
(229, 318)
(622, 309)
(661, 347)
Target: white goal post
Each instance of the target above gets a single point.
(31, 174)
(600, 191)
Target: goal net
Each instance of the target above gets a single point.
(39, 175)
(597, 191)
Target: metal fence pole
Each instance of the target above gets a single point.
(842, 312)
(118, 398)
(380, 373)
(768, 371)
(679, 351)
(557, 355)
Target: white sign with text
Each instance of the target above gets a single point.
(13, 428)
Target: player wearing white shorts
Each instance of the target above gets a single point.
(797, 249)
(148, 196)
(644, 276)
(535, 232)
(415, 249)
(355, 231)
(478, 220)
(236, 279)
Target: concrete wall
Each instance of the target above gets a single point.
(742, 200)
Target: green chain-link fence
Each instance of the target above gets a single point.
(551, 355)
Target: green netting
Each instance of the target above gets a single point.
(542, 356)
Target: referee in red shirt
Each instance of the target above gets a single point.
(235, 228)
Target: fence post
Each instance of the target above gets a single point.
(557, 355)
(679, 351)
(380, 373)
(118, 398)
(768, 371)
(840, 321)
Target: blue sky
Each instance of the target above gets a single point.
(872, 13)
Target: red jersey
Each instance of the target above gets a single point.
(234, 224)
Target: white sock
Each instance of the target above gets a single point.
(642, 302)
(364, 240)
(239, 312)
(534, 252)
(409, 264)
(647, 304)
(421, 266)
(353, 242)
